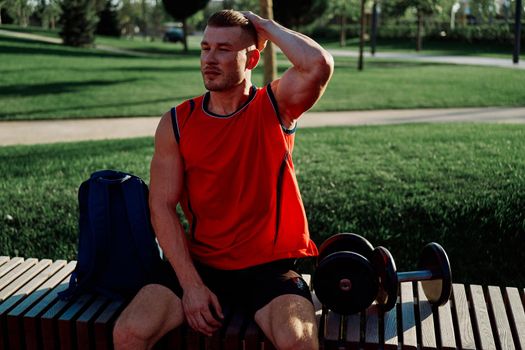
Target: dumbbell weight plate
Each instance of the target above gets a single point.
(434, 258)
(350, 242)
(345, 282)
(386, 270)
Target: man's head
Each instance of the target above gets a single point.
(228, 50)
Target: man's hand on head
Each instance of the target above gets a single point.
(257, 22)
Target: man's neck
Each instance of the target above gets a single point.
(228, 102)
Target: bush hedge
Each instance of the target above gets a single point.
(499, 33)
(462, 185)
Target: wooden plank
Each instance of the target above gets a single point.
(9, 265)
(251, 336)
(14, 321)
(193, 339)
(390, 329)
(103, 325)
(31, 318)
(446, 327)
(3, 260)
(232, 333)
(426, 317)
(332, 327)
(84, 324)
(500, 316)
(353, 330)
(372, 327)
(517, 316)
(44, 289)
(408, 318)
(461, 309)
(15, 273)
(66, 324)
(7, 293)
(481, 318)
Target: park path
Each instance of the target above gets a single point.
(51, 131)
(422, 57)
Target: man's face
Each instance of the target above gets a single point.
(224, 54)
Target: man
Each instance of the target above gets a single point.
(226, 157)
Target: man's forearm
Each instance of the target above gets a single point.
(303, 52)
(172, 239)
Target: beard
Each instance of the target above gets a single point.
(221, 82)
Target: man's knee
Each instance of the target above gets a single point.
(298, 337)
(129, 335)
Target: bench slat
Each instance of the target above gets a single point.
(372, 327)
(251, 341)
(446, 327)
(500, 316)
(15, 273)
(481, 318)
(466, 334)
(428, 335)
(232, 335)
(353, 330)
(407, 316)
(3, 260)
(517, 316)
(390, 324)
(84, 324)
(7, 293)
(332, 326)
(103, 325)
(9, 265)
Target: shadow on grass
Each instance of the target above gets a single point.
(35, 47)
(55, 88)
(9, 116)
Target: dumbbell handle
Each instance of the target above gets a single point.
(418, 275)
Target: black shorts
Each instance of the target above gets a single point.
(251, 288)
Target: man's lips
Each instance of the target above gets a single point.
(211, 71)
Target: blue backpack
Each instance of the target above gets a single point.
(117, 251)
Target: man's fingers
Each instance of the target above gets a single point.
(216, 307)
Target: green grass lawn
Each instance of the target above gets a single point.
(462, 185)
(48, 81)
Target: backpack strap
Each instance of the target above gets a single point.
(138, 216)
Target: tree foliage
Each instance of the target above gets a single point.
(108, 21)
(295, 13)
(79, 21)
(181, 10)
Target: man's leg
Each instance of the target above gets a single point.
(289, 322)
(153, 312)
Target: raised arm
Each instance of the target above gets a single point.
(312, 67)
(166, 183)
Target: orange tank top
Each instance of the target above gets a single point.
(241, 196)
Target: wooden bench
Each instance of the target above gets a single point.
(31, 317)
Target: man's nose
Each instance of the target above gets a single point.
(210, 56)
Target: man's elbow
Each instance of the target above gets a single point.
(324, 66)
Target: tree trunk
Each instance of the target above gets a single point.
(361, 36)
(269, 56)
(185, 30)
(342, 36)
(374, 29)
(419, 38)
(517, 33)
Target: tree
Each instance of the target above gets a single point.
(19, 10)
(181, 10)
(295, 13)
(51, 14)
(108, 23)
(79, 21)
(422, 9)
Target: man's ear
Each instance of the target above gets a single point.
(253, 59)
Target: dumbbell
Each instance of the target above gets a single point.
(434, 273)
(345, 280)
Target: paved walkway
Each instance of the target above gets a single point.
(467, 60)
(37, 132)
